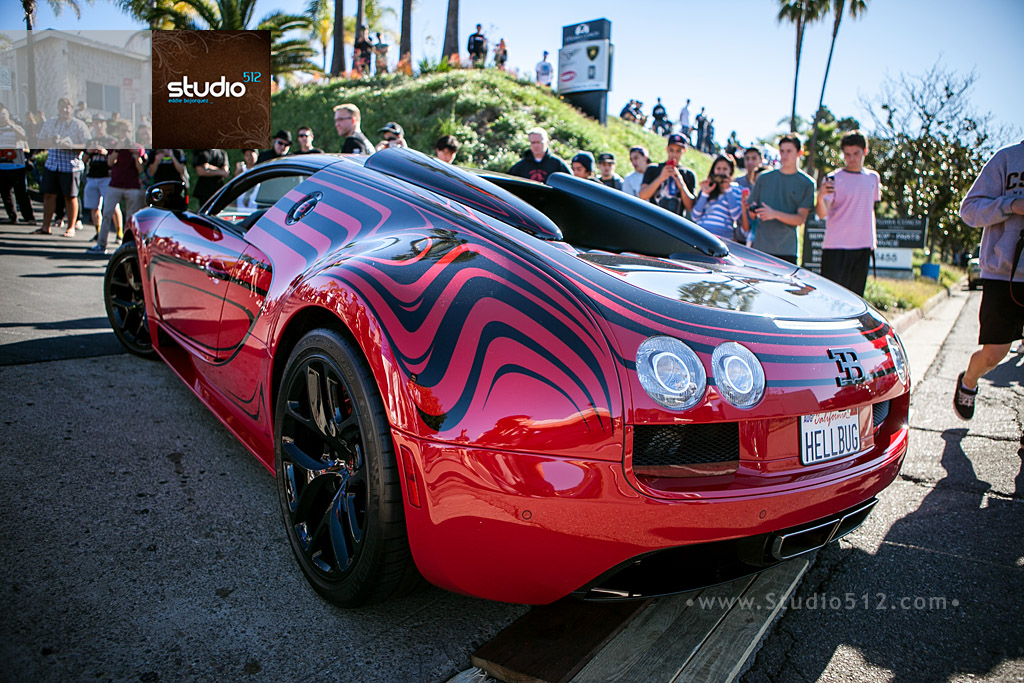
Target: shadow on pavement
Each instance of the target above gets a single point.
(61, 348)
(938, 600)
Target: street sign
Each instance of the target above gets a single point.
(897, 238)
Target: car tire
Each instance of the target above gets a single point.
(337, 475)
(125, 302)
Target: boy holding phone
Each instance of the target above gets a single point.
(670, 185)
(847, 203)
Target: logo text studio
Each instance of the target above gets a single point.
(221, 88)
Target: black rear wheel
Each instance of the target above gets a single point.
(125, 302)
(337, 477)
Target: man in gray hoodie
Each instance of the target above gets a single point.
(996, 203)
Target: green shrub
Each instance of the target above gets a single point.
(489, 112)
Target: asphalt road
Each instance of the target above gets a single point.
(931, 588)
(140, 541)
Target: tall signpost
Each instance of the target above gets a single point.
(585, 67)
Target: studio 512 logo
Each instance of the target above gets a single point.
(211, 89)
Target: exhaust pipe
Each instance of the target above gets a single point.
(788, 545)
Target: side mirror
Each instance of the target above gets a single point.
(170, 194)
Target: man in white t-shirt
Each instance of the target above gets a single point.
(640, 159)
(684, 120)
(545, 71)
(847, 203)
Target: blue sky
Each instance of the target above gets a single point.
(731, 57)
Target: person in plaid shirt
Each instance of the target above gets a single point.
(63, 170)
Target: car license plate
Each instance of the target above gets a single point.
(825, 436)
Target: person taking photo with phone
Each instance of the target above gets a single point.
(670, 185)
(718, 209)
(847, 203)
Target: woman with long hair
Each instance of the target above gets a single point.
(718, 208)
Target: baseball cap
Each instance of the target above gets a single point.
(283, 135)
(585, 159)
(393, 128)
(606, 156)
(677, 139)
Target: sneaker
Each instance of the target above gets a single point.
(102, 250)
(963, 399)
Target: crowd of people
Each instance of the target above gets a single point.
(761, 207)
(704, 125)
(101, 169)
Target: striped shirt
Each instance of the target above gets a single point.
(719, 215)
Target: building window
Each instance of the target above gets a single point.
(93, 95)
(102, 97)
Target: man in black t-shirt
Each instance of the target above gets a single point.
(477, 47)
(539, 162)
(97, 172)
(278, 148)
(670, 185)
(306, 142)
(346, 122)
(211, 167)
(607, 175)
(166, 164)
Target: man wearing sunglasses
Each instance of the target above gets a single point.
(279, 148)
(306, 142)
(393, 134)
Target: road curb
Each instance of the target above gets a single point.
(905, 320)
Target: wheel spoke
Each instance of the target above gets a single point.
(352, 513)
(316, 399)
(292, 410)
(310, 493)
(301, 458)
(340, 537)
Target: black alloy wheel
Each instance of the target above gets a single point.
(337, 476)
(125, 302)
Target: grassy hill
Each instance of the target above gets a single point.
(487, 110)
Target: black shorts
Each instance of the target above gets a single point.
(59, 182)
(846, 267)
(1001, 321)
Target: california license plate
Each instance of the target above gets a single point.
(826, 436)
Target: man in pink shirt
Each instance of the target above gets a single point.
(847, 203)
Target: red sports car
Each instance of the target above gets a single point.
(519, 391)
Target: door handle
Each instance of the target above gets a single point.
(217, 269)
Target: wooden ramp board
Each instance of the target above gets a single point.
(550, 643)
(704, 635)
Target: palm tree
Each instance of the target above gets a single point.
(857, 8)
(800, 13)
(286, 56)
(451, 31)
(360, 13)
(29, 6)
(338, 55)
(405, 49)
(321, 14)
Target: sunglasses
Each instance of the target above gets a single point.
(390, 139)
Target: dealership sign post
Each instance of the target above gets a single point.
(585, 67)
(897, 239)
